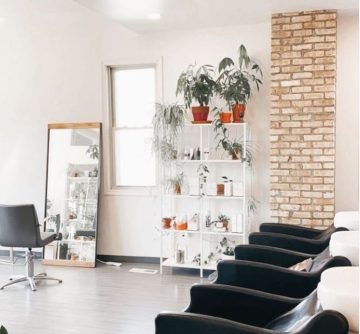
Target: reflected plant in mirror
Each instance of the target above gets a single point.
(72, 189)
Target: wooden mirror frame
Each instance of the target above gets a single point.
(67, 223)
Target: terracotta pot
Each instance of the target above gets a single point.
(220, 189)
(238, 113)
(225, 117)
(225, 224)
(234, 156)
(166, 222)
(200, 113)
(177, 189)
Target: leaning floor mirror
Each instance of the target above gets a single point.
(72, 191)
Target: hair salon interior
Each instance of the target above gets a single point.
(174, 166)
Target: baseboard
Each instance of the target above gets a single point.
(129, 259)
(153, 260)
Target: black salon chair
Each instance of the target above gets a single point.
(19, 227)
(272, 255)
(299, 231)
(277, 279)
(296, 238)
(220, 309)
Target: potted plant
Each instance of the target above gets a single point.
(175, 183)
(233, 146)
(236, 82)
(226, 248)
(168, 122)
(197, 85)
(221, 222)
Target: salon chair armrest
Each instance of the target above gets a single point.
(271, 255)
(296, 231)
(289, 242)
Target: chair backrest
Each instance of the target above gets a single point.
(324, 259)
(19, 226)
(308, 317)
(326, 234)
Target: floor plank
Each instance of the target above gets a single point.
(104, 299)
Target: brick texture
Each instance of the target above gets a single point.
(302, 128)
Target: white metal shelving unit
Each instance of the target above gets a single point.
(202, 241)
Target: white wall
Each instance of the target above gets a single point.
(347, 115)
(50, 71)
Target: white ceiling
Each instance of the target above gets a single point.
(191, 14)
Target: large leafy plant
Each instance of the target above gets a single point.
(237, 80)
(198, 85)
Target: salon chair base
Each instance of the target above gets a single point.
(30, 277)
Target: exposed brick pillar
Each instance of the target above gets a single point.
(302, 130)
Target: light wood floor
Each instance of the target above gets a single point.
(102, 300)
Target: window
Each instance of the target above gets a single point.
(133, 93)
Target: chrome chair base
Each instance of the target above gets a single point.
(30, 277)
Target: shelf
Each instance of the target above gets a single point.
(81, 178)
(204, 196)
(180, 231)
(171, 263)
(223, 197)
(211, 124)
(79, 241)
(223, 233)
(81, 200)
(212, 160)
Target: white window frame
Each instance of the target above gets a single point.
(108, 146)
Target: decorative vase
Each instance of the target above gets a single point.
(166, 223)
(238, 113)
(225, 117)
(228, 189)
(200, 113)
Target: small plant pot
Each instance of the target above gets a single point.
(200, 113)
(226, 224)
(177, 190)
(227, 257)
(74, 257)
(225, 117)
(238, 113)
(166, 223)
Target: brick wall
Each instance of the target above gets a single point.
(302, 129)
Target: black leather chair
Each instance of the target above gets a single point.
(19, 227)
(312, 242)
(272, 255)
(298, 231)
(276, 279)
(219, 309)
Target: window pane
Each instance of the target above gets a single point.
(134, 96)
(134, 163)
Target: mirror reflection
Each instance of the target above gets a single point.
(72, 193)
